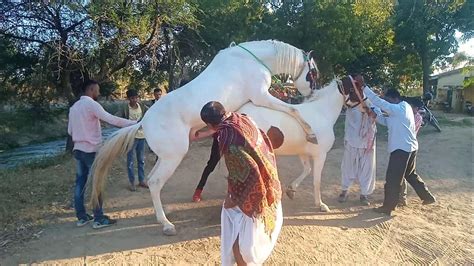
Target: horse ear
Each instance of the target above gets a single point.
(309, 54)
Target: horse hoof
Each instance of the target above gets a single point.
(324, 208)
(312, 138)
(290, 192)
(170, 231)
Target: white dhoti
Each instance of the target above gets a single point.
(358, 163)
(254, 243)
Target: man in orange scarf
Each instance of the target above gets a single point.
(251, 216)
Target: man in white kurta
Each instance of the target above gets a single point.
(358, 162)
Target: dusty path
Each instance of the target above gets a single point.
(350, 234)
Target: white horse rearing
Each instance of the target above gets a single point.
(236, 75)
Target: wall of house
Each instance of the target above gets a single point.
(454, 82)
(456, 79)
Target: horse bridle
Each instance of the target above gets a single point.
(353, 89)
(312, 75)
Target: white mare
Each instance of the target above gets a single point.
(321, 112)
(234, 77)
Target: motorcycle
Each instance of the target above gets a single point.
(429, 118)
(425, 112)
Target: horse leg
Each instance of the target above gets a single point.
(161, 172)
(318, 163)
(265, 99)
(291, 189)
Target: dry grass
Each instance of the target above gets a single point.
(34, 194)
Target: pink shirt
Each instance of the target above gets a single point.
(84, 124)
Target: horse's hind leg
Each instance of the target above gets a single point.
(265, 99)
(161, 172)
(291, 189)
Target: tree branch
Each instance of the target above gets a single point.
(9, 35)
(68, 29)
(137, 50)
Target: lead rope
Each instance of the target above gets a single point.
(274, 79)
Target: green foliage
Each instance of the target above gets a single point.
(49, 47)
(427, 28)
(76, 40)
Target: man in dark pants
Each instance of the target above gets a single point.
(211, 164)
(402, 145)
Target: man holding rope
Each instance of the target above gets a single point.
(402, 145)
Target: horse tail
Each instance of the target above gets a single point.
(118, 144)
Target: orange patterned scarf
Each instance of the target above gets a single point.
(253, 177)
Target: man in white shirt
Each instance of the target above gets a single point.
(402, 145)
(359, 154)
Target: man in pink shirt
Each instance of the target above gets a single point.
(84, 128)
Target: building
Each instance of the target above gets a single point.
(450, 87)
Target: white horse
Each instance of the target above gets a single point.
(321, 112)
(236, 75)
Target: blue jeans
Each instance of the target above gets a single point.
(84, 162)
(139, 147)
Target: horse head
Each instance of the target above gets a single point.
(351, 88)
(307, 81)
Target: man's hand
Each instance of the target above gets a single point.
(229, 202)
(202, 134)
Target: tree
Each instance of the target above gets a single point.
(427, 28)
(345, 37)
(97, 39)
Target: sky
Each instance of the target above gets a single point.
(467, 46)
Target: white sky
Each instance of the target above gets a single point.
(467, 46)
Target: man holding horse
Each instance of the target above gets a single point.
(402, 145)
(359, 153)
(84, 128)
(251, 217)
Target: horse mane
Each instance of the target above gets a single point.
(288, 58)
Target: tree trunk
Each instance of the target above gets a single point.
(426, 66)
(169, 48)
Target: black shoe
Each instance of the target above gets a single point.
(383, 210)
(87, 219)
(104, 222)
(364, 200)
(429, 201)
(343, 196)
(402, 203)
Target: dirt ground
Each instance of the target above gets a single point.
(351, 234)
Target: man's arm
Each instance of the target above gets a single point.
(379, 102)
(202, 134)
(101, 114)
(381, 119)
